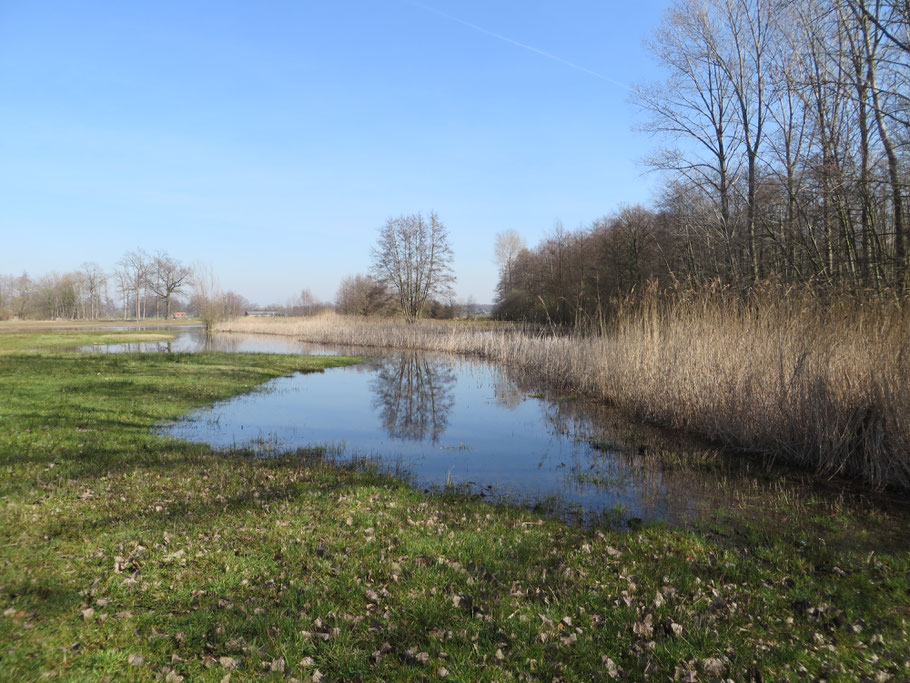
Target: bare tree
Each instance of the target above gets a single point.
(167, 277)
(6, 296)
(891, 17)
(871, 42)
(304, 303)
(23, 290)
(696, 107)
(233, 305)
(414, 259)
(95, 280)
(208, 299)
(790, 133)
(134, 269)
(743, 45)
(509, 244)
(362, 295)
(123, 290)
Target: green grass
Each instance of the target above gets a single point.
(16, 341)
(131, 555)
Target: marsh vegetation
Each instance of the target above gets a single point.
(787, 373)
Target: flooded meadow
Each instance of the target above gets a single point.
(455, 424)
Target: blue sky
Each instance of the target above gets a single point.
(271, 139)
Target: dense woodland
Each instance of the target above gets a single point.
(784, 133)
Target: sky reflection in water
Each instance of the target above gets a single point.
(444, 420)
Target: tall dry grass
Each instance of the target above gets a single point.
(824, 384)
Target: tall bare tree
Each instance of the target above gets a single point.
(95, 280)
(23, 290)
(304, 303)
(743, 45)
(168, 277)
(134, 269)
(870, 18)
(233, 305)
(414, 259)
(509, 245)
(697, 109)
(789, 136)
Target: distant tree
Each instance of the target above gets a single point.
(209, 301)
(629, 246)
(573, 278)
(414, 259)
(23, 289)
(95, 282)
(167, 277)
(234, 305)
(467, 307)
(121, 280)
(362, 295)
(509, 244)
(59, 296)
(6, 296)
(134, 270)
(441, 310)
(304, 303)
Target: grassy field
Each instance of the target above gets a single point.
(13, 340)
(130, 555)
(27, 325)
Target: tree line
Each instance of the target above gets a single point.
(411, 275)
(783, 129)
(140, 286)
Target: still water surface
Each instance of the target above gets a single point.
(441, 420)
(450, 421)
(192, 339)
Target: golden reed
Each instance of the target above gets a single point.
(822, 383)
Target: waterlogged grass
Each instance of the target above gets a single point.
(18, 340)
(129, 555)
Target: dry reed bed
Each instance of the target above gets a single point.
(824, 386)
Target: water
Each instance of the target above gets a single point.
(192, 339)
(453, 422)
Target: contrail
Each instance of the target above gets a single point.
(523, 46)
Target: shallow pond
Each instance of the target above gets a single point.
(440, 420)
(444, 421)
(453, 422)
(192, 339)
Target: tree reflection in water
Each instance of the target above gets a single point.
(227, 343)
(414, 395)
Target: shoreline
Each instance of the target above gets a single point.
(756, 384)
